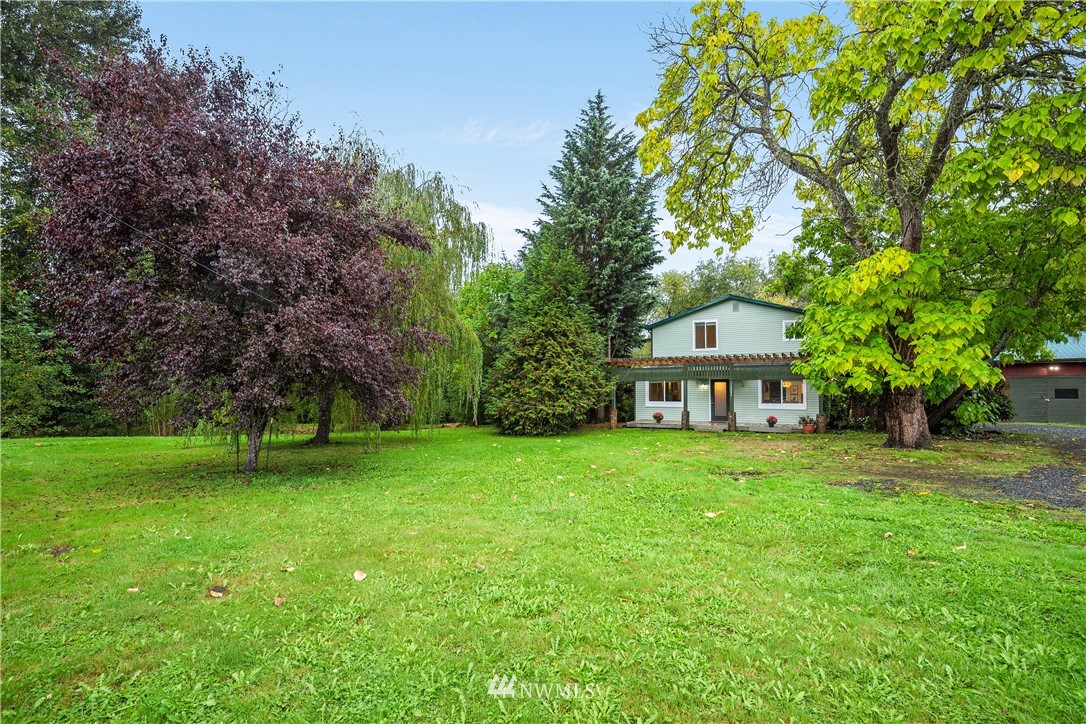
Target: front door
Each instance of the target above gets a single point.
(719, 401)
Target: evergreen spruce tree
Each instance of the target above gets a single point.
(549, 370)
(601, 208)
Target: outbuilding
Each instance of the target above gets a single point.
(1051, 390)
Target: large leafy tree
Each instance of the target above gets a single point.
(907, 105)
(450, 372)
(485, 304)
(45, 388)
(201, 248)
(549, 370)
(600, 208)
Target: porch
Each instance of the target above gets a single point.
(712, 426)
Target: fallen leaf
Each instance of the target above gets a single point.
(279, 600)
(960, 548)
(912, 552)
(933, 563)
(412, 532)
(480, 566)
(924, 492)
(888, 535)
(96, 550)
(713, 514)
(572, 494)
(975, 502)
(854, 607)
(134, 590)
(625, 560)
(217, 591)
(287, 569)
(359, 575)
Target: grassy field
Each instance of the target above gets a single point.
(590, 560)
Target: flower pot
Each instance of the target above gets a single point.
(808, 429)
(772, 424)
(659, 420)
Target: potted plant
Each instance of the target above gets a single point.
(809, 424)
(658, 416)
(771, 421)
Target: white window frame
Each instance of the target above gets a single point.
(682, 391)
(781, 405)
(785, 324)
(694, 335)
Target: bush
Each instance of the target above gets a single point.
(548, 376)
(549, 371)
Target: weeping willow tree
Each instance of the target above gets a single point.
(451, 377)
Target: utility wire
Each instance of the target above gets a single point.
(147, 236)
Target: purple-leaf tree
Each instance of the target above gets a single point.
(200, 247)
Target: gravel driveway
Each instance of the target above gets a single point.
(1062, 487)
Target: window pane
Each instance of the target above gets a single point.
(792, 392)
(771, 392)
(656, 392)
(710, 335)
(1065, 393)
(674, 392)
(699, 335)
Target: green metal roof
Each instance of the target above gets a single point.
(725, 298)
(1074, 348)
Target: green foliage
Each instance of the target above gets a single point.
(983, 406)
(46, 391)
(603, 210)
(711, 279)
(485, 304)
(845, 332)
(549, 371)
(450, 386)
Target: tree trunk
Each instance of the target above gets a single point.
(324, 416)
(906, 421)
(255, 433)
(945, 407)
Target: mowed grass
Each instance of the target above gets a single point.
(585, 560)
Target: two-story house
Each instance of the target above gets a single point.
(732, 355)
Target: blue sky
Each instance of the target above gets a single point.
(481, 92)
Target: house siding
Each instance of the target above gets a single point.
(745, 395)
(697, 402)
(754, 329)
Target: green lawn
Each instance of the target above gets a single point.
(585, 560)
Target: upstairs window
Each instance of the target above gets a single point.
(788, 323)
(666, 392)
(705, 335)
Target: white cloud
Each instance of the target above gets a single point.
(481, 131)
(504, 222)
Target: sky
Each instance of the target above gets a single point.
(480, 92)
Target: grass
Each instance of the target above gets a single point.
(585, 560)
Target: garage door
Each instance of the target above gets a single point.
(1049, 399)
